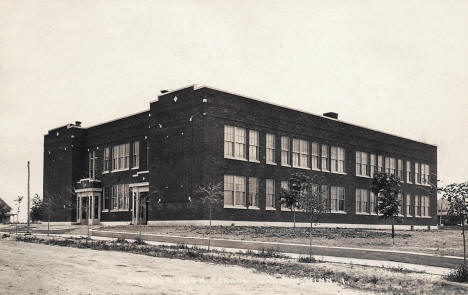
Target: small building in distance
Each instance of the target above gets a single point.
(5, 214)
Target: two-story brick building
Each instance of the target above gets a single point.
(147, 166)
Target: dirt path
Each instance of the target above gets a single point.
(40, 269)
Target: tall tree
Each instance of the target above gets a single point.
(457, 196)
(37, 210)
(387, 187)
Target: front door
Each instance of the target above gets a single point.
(143, 208)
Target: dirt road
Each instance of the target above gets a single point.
(40, 269)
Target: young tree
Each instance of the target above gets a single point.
(387, 187)
(457, 196)
(37, 210)
(210, 195)
(18, 201)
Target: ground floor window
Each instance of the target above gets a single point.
(362, 201)
(234, 191)
(253, 192)
(120, 197)
(105, 198)
(337, 198)
(270, 194)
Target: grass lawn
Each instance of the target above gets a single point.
(441, 242)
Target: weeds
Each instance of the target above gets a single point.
(307, 259)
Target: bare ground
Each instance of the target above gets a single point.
(41, 269)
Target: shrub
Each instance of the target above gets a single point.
(121, 240)
(459, 274)
(5, 236)
(139, 241)
(307, 259)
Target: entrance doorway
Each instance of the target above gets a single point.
(140, 202)
(88, 206)
(84, 210)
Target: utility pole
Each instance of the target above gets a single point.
(28, 200)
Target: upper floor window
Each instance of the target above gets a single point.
(417, 173)
(325, 158)
(270, 149)
(315, 155)
(373, 165)
(361, 164)
(234, 142)
(106, 163)
(253, 146)
(390, 165)
(234, 191)
(380, 163)
(136, 154)
(285, 151)
(400, 169)
(120, 197)
(300, 153)
(409, 172)
(337, 198)
(92, 157)
(121, 156)
(337, 159)
(270, 194)
(425, 173)
(253, 192)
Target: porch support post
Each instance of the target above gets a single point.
(99, 208)
(78, 209)
(91, 209)
(137, 205)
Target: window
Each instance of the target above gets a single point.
(417, 174)
(390, 165)
(400, 169)
(234, 142)
(120, 197)
(253, 146)
(373, 166)
(425, 173)
(300, 153)
(234, 191)
(106, 159)
(380, 163)
(325, 162)
(409, 206)
(315, 155)
(337, 159)
(372, 203)
(105, 199)
(270, 149)
(285, 151)
(253, 192)
(337, 198)
(409, 172)
(121, 156)
(136, 154)
(400, 204)
(425, 206)
(362, 202)
(92, 158)
(417, 205)
(284, 186)
(270, 194)
(325, 197)
(361, 164)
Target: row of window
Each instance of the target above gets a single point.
(120, 160)
(298, 153)
(368, 164)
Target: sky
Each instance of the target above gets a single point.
(396, 66)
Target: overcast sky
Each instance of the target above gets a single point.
(395, 66)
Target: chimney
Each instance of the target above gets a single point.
(331, 115)
(164, 91)
(78, 123)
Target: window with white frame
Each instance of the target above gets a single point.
(400, 203)
(425, 173)
(390, 165)
(285, 151)
(270, 194)
(337, 159)
(362, 201)
(120, 197)
(373, 165)
(253, 192)
(425, 206)
(337, 198)
(380, 163)
(106, 164)
(325, 196)
(106, 200)
(325, 158)
(300, 153)
(409, 205)
(270, 149)
(284, 186)
(417, 205)
(400, 169)
(417, 174)
(234, 142)
(136, 154)
(253, 146)
(409, 172)
(121, 156)
(361, 164)
(372, 203)
(92, 158)
(315, 156)
(234, 191)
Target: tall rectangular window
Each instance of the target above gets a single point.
(92, 158)
(337, 159)
(400, 203)
(409, 206)
(120, 197)
(325, 158)
(234, 142)
(426, 206)
(417, 205)
(409, 172)
(392, 166)
(106, 157)
(121, 156)
(285, 151)
(361, 164)
(417, 174)
(136, 154)
(425, 173)
(400, 169)
(270, 194)
(373, 165)
(234, 191)
(295, 152)
(253, 192)
(106, 199)
(228, 190)
(380, 163)
(325, 198)
(337, 198)
(270, 149)
(362, 201)
(284, 186)
(304, 158)
(253, 146)
(315, 155)
(372, 203)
